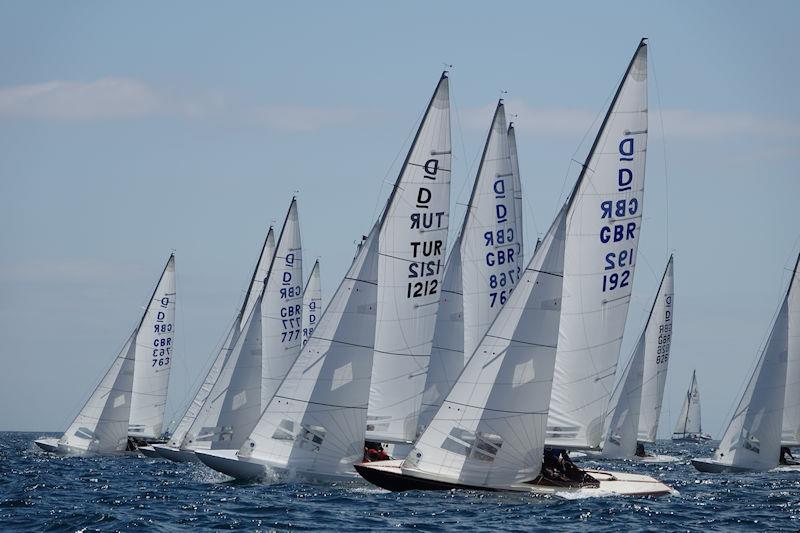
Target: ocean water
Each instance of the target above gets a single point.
(40, 492)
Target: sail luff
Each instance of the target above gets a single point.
(260, 273)
(518, 206)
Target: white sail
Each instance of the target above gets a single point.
(447, 350)
(282, 308)
(102, 424)
(411, 246)
(603, 226)
(752, 439)
(489, 265)
(486, 259)
(312, 303)
(791, 407)
(623, 416)
(179, 436)
(658, 339)
(490, 430)
(688, 422)
(518, 209)
(154, 359)
(316, 420)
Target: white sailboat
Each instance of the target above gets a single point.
(104, 422)
(315, 425)
(268, 342)
(688, 426)
(179, 448)
(482, 270)
(635, 406)
(752, 441)
(490, 431)
(790, 434)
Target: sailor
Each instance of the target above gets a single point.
(786, 457)
(640, 450)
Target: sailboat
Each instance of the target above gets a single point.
(490, 431)
(316, 423)
(268, 341)
(179, 448)
(635, 406)
(688, 426)
(753, 439)
(130, 398)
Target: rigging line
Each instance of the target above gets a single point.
(663, 144)
(396, 157)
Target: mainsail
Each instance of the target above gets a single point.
(154, 350)
(603, 226)
(315, 422)
(411, 253)
(689, 420)
(312, 302)
(658, 340)
(282, 309)
(487, 263)
(180, 437)
(636, 400)
(752, 439)
(791, 406)
(490, 429)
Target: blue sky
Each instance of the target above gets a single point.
(127, 130)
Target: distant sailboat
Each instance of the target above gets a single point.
(200, 413)
(490, 431)
(752, 441)
(635, 406)
(316, 423)
(104, 422)
(688, 426)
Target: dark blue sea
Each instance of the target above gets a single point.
(40, 492)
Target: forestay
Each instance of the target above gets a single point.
(658, 340)
(753, 437)
(791, 407)
(603, 227)
(316, 420)
(312, 302)
(689, 420)
(487, 260)
(102, 424)
(490, 430)
(183, 436)
(411, 252)
(153, 359)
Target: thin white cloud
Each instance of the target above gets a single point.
(105, 98)
(678, 123)
(125, 98)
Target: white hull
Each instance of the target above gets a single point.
(611, 483)
(175, 455)
(49, 445)
(228, 463)
(712, 466)
(52, 445)
(149, 452)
